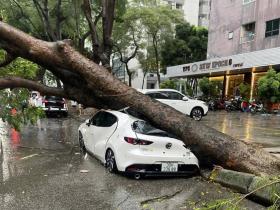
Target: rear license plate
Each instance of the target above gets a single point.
(169, 167)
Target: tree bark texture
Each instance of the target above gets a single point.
(93, 85)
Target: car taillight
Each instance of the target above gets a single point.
(45, 101)
(137, 141)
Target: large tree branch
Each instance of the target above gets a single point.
(135, 49)
(103, 87)
(43, 13)
(118, 49)
(82, 40)
(122, 58)
(80, 95)
(17, 82)
(101, 51)
(59, 20)
(96, 46)
(108, 16)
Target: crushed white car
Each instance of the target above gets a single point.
(124, 143)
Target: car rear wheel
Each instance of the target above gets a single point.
(111, 161)
(197, 113)
(82, 144)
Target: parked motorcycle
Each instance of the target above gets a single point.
(256, 107)
(233, 105)
(216, 104)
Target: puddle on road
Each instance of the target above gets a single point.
(48, 137)
(263, 130)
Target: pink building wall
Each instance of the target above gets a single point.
(229, 16)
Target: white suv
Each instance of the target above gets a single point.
(192, 107)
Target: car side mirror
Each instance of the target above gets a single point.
(185, 98)
(88, 122)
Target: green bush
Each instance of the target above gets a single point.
(269, 86)
(208, 88)
(244, 89)
(168, 84)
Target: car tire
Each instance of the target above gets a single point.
(111, 161)
(83, 149)
(197, 113)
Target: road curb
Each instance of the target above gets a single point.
(263, 190)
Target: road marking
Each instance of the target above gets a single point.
(27, 157)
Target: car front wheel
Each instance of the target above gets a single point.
(111, 161)
(197, 113)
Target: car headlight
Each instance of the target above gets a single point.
(204, 103)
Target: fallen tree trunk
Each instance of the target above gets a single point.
(93, 85)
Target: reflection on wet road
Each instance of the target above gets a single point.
(40, 168)
(260, 129)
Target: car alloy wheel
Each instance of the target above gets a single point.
(110, 161)
(82, 144)
(196, 114)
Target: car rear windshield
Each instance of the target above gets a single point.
(144, 127)
(56, 98)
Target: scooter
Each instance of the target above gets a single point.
(216, 104)
(233, 105)
(256, 107)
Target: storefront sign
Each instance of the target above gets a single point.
(231, 63)
(210, 65)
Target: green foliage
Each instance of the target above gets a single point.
(25, 15)
(221, 204)
(208, 88)
(188, 90)
(17, 99)
(189, 45)
(147, 61)
(269, 86)
(267, 183)
(276, 204)
(168, 84)
(244, 90)
(155, 23)
(20, 67)
(15, 109)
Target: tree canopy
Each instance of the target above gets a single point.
(269, 86)
(189, 45)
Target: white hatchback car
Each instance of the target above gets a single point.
(131, 145)
(191, 107)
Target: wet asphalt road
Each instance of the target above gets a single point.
(41, 169)
(262, 129)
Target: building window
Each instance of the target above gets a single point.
(230, 35)
(170, 3)
(247, 32)
(248, 1)
(179, 6)
(203, 16)
(272, 27)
